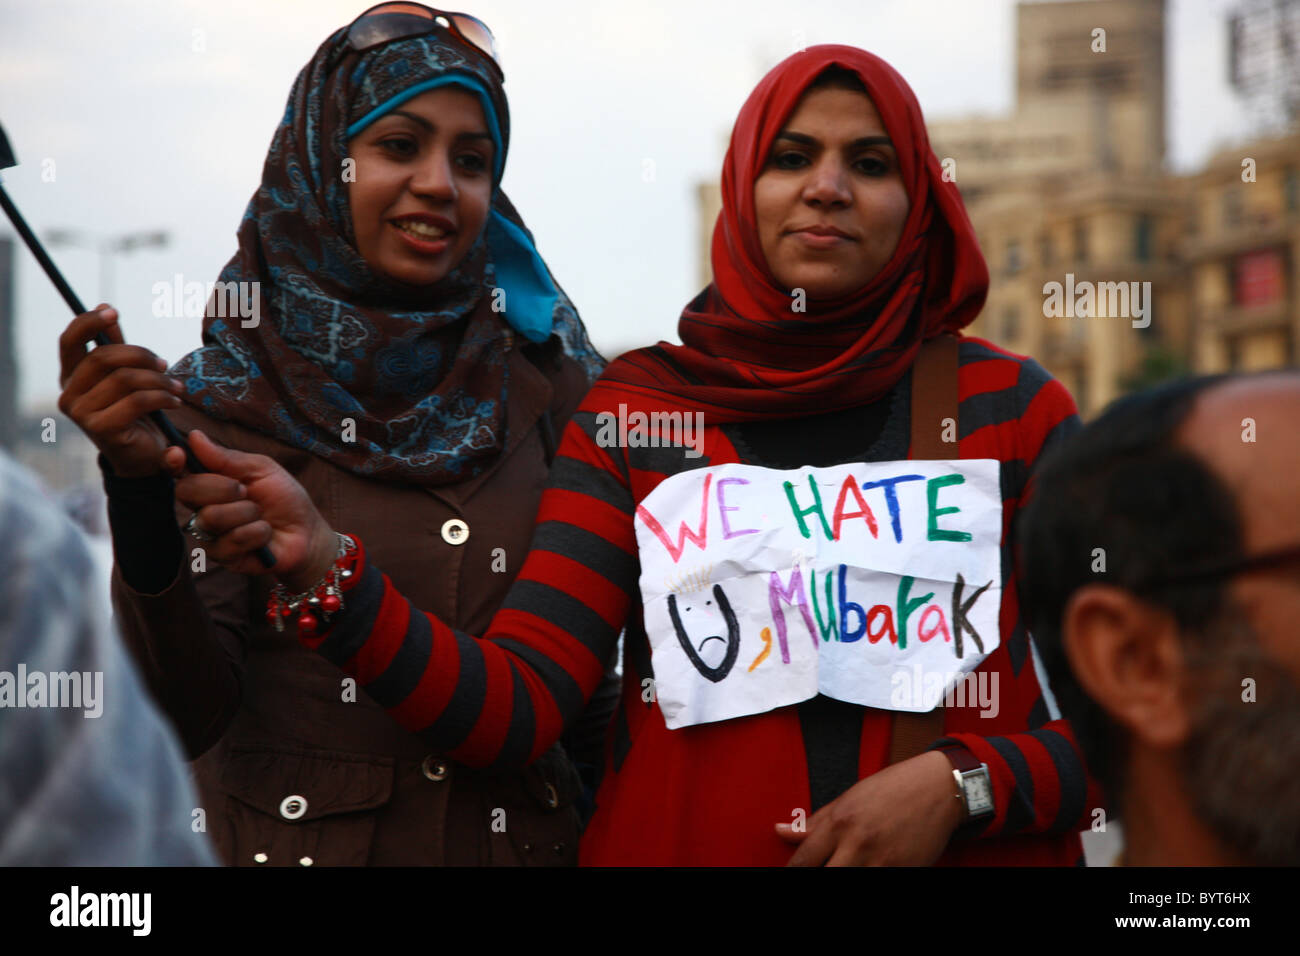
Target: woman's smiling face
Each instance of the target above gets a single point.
(423, 185)
(830, 201)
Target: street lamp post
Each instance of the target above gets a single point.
(106, 247)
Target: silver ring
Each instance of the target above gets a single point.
(193, 529)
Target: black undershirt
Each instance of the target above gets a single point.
(832, 729)
(146, 540)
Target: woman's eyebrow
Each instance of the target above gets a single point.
(802, 138)
(418, 120)
(871, 141)
(805, 140)
(429, 127)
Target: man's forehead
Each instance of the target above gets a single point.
(1247, 431)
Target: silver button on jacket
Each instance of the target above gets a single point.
(293, 806)
(455, 531)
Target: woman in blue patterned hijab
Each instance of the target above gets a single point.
(348, 324)
(396, 318)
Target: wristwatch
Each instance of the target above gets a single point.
(974, 788)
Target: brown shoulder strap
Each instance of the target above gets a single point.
(934, 399)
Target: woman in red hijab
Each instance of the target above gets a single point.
(749, 351)
(841, 258)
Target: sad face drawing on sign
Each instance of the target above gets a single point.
(714, 654)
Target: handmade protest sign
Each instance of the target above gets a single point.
(875, 583)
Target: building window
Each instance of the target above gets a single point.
(1045, 249)
(1259, 277)
(1078, 329)
(1010, 324)
(1081, 242)
(1142, 239)
(1014, 264)
(1232, 207)
(1293, 189)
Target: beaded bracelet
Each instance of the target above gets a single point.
(315, 605)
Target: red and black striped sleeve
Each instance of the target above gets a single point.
(501, 699)
(1040, 782)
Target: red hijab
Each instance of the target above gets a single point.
(747, 354)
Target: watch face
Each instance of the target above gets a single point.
(979, 795)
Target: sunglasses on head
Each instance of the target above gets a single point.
(387, 22)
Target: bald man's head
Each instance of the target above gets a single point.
(1157, 585)
(1247, 432)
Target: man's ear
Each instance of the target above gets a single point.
(1127, 656)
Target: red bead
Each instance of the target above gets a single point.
(272, 614)
(285, 610)
(330, 603)
(307, 623)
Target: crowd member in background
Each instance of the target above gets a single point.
(1160, 556)
(411, 361)
(90, 773)
(843, 261)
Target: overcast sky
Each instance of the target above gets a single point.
(158, 113)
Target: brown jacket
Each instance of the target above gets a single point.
(295, 765)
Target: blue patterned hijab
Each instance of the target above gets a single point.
(382, 379)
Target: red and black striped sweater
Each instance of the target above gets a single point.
(710, 793)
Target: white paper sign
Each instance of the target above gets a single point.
(876, 583)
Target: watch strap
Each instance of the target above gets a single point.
(961, 758)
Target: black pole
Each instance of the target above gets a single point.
(169, 431)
